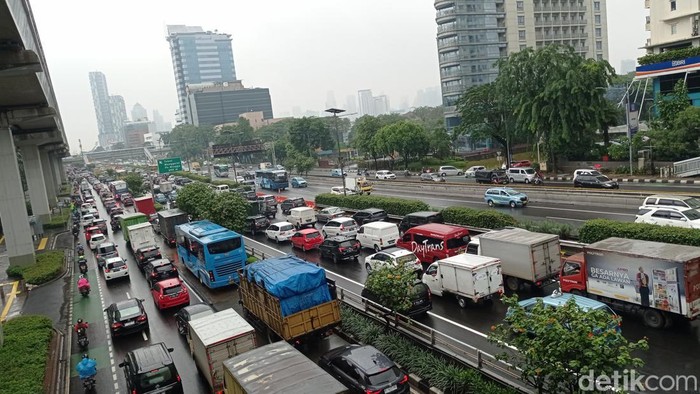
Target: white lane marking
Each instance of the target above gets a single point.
(143, 334)
(127, 295)
(109, 335)
(558, 218)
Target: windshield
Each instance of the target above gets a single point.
(384, 377)
(692, 214)
(127, 312)
(261, 220)
(224, 246)
(529, 171)
(459, 242)
(107, 249)
(116, 264)
(511, 192)
(164, 268)
(313, 235)
(172, 290)
(156, 377)
(286, 227)
(693, 202)
(151, 253)
(407, 259)
(602, 178)
(347, 244)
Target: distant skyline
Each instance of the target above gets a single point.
(299, 50)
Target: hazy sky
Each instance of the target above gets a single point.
(299, 49)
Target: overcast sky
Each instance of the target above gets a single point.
(299, 49)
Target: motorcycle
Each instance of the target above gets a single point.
(89, 384)
(82, 266)
(407, 173)
(79, 250)
(83, 286)
(116, 227)
(83, 340)
(76, 232)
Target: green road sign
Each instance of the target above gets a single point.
(171, 164)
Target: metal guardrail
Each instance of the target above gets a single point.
(686, 168)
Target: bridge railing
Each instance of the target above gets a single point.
(685, 168)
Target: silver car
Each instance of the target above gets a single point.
(329, 213)
(346, 227)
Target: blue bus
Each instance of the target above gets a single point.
(272, 179)
(221, 170)
(213, 253)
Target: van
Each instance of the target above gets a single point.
(679, 203)
(220, 189)
(526, 175)
(338, 172)
(432, 242)
(302, 217)
(378, 235)
(419, 218)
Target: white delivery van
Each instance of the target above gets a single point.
(220, 189)
(468, 277)
(378, 235)
(302, 217)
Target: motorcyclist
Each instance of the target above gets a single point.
(80, 324)
(407, 172)
(80, 250)
(75, 230)
(86, 368)
(83, 283)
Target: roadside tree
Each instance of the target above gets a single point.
(392, 286)
(228, 210)
(364, 132)
(134, 182)
(309, 134)
(196, 199)
(405, 138)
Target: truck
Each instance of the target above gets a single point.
(145, 205)
(167, 220)
(491, 176)
(130, 219)
(277, 368)
(261, 207)
(360, 184)
(214, 339)
(288, 298)
(527, 258)
(658, 281)
(165, 187)
(466, 276)
(140, 236)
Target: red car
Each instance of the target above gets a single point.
(307, 239)
(169, 293)
(90, 231)
(521, 163)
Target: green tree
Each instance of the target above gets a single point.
(406, 138)
(189, 141)
(430, 118)
(608, 116)
(275, 131)
(236, 134)
(392, 285)
(672, 104)
(309, 134)
(556, 346)
(111, 172)
(135, 183)
(196, 199)
(228, 210)
(440, 143)
(364, 131)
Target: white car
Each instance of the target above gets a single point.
(115, 267)
(343, 226)
(240, 179)
(96, 240)
(339, 190)
(471, 171)
(392, 257)
(280, 231)
(86, 220)
(449, 170)
(94, 213)
(85, 207)
(679, 203)
(586, 172)
(669, 217)
(384, 174)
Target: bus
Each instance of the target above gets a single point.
(221, 170)
(271, 179)
(213, 253)
(118, 188)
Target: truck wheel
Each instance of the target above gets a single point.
(654, 318)
(462, 302)
(513, 284)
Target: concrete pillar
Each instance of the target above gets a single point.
(48, 177)
(57, 168)
(13, 210)
(36, 182)
(64, 177)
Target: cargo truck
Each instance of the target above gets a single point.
(167, 220)
(165, 187)
(359, 185)
(527, 258)
(466, 276)
(214, 339)
(288, 298)
(277, 368)
(129, 219)
(145, 205)
(142, 243)
(659, 281)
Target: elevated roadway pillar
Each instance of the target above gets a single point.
(48, 177)
(36, 182)
(58, 169)
(13, 210)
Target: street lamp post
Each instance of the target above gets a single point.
(335, 112)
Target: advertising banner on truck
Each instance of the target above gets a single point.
(641, 280)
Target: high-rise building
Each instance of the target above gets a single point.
(159, 121)
(381, 105)
(221, 103)
(198, 57)
(366, 102)
(138, 113)
(119, 117)
(106, 134)
(472, 35)
(135, 133)
(351, 104)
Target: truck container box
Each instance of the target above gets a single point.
(145, 205)
(130, 219)
(167, 220)
(466, 276)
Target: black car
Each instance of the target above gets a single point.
(255, 224)
(362, 368)
(151, 369)
(159, 269)
(143, 255)
(249, 195)
(189, 313)
(421, 299)
(126, 317)
(290, 203)
(127, 201)
(419, 218)
(340, 248)
(491, 176)
(369, 215)
(595, 181)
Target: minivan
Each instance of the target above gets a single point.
(679, 203)
(369, 215)
(151, 369)
(526, 175)
(378, 235)
(419, 218)
(302, 217)
(434, 241)
(221, 189)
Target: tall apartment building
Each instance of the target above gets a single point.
(221, 103)
(198, 57)
(366, 102)
(138, 113)
(472, 35)
(106, 134)
(119, 117)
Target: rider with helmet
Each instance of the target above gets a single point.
(86, 368)
(80, 324)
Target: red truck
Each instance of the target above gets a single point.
(659, 281)
(145, 205)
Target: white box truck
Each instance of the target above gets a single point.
(216, 338)
(165, 187)
(141, 235)
(526, 257)
(466, 276)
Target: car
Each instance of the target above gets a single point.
(279, 167)
(172, 196)
(329, 213)
(240, 179)
(170, 293)
(431, 177)
(85, 207)
(146, 253)
(292, 202)
(104, 251)
(114, 268)
(586, 171)
(340, 248)
(384, 174)
(521, 163)
(307, 239)
(505, 196)
(127, 317)
(96, 240)
(110, 204)
(521, 174)
(420, 218)
(343, 226)
(298, 181)
(127, 200)
(189, 313)
(595, 181)
(86, 220)
(338, 172)
(268, 199)
(159, 269)
(679, 203)
(116, 211)
(371, 370)
(491, 176)
(90, 231)
(94, 212)
(338, 190)
(249, 195)
(449, 170)
(280, 231)
(690, 218)
(369, 215)
(419, 293)
(392, 257)
(471, 171)
(161, 199)
(255, 224)
(101, 224)
(150, 369)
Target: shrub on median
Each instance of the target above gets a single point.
(58, 221)
(563, 230)
(48, 266)
(477, 218)
(599, 229)
(392, 205)
(24, 354)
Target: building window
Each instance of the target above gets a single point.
(674, 28)
(599, 45)
(520, 5)
(597, 19)
(673, 5)
(521, 20)
(598, 32)
(596, 5)
(521, 35)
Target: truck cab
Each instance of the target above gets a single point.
(572, 277)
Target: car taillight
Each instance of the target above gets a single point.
(107, 270)
(178, 378)
(373, 391)
(404, 379)
(341, 250)
(211, 276)
(342, 227)
(116, 325)
(142, 318)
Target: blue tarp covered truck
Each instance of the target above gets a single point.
(290, 298)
